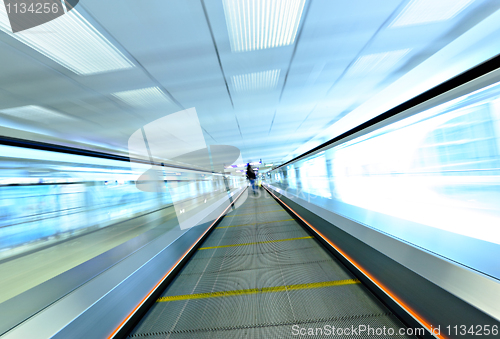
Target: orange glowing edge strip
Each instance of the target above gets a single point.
(127, 318)
(414, 314)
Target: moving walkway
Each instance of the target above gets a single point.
(260, 274)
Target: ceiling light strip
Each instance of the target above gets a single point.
(378, 62)
(261, 24)
(267, 24)
(35, 113)
(279, 19)
(293, 29)
(71, 41)
(251, 82)
(284, 25)
(274, 26)
(419, 12)
(254, 27)
(240, 27)
(287, 28)
(143, 97)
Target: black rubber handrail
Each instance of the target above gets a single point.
(467, 76)
(8, 141)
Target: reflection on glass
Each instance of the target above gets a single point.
(439, 168)
(55, 215)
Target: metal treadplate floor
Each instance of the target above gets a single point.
(261, 275)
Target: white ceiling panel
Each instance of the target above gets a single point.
(337, 57)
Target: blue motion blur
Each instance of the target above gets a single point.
(432, 179)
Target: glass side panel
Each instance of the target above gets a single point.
(436, 174)
(59, 211)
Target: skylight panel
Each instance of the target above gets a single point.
(35, 113)
(143, 97)
(419, 12)
(259, 81)
(260, 24)
(378, 62)
(71, 41)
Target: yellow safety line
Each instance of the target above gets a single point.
(259, 290)
(237, 215)
(255, 223)
(254, 243)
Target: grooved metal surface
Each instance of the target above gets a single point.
(260, 266)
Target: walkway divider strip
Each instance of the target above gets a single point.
(254, 243)
(255, 223)
(259, 290)
(238, 215)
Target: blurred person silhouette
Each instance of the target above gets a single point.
(251, 176)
